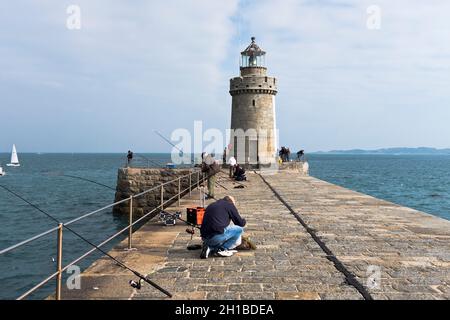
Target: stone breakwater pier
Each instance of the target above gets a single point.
(315, 240)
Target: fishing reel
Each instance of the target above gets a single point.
(169, 219)
(191, 231)
(137, 285)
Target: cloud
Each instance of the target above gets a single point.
(348, 86)
(131, 68)
(143, 65)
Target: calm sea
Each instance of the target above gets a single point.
(420, 182)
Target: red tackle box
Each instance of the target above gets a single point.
(195, 215)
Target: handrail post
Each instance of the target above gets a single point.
(59, 261)
(190, 184)
(162, 197)
(130, 221)
(203, 197)
(198, 179)
(179, 191)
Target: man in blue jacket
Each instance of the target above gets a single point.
(218, 235)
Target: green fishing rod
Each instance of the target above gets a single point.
(120, 263)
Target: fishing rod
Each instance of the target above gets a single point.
(234, 181)
(88, 180)
(173, 145)
(120, 263)
(221, 185)
(149, 160)
(168, 141)
(81, 178)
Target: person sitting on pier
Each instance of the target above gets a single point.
(239, 174)
(218, 235)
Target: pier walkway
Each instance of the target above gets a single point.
(315, 241)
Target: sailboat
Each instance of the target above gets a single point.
(14, 158)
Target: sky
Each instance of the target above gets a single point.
(348, 76)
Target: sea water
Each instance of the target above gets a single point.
(420, 182)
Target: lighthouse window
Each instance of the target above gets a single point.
(253, 102)
(266, 79)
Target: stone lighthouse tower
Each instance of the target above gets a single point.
(253, 121)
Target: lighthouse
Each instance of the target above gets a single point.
(253, 138)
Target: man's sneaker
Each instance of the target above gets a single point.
(224, 253)
(205, 252)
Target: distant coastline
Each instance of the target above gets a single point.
(382, 151)
(391, 151)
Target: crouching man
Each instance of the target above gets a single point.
(219, 237)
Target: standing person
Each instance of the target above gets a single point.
(300, 155)
(283, 154)
(211, 168)
(232, 163)
(288, 154)
(224, 156)
(218, 235)
(129, 157)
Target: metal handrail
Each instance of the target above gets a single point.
(193, 183)
(95, 211)
(90, 213)
(17, 245)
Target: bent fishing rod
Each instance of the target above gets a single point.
(120, 263)
(88, 180)
(192, 162)
(81, 178)
(168, 141)
(159, 165)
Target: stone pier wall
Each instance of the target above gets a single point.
(296, 166)
(132, 181)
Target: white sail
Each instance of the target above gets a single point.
(14, 158)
